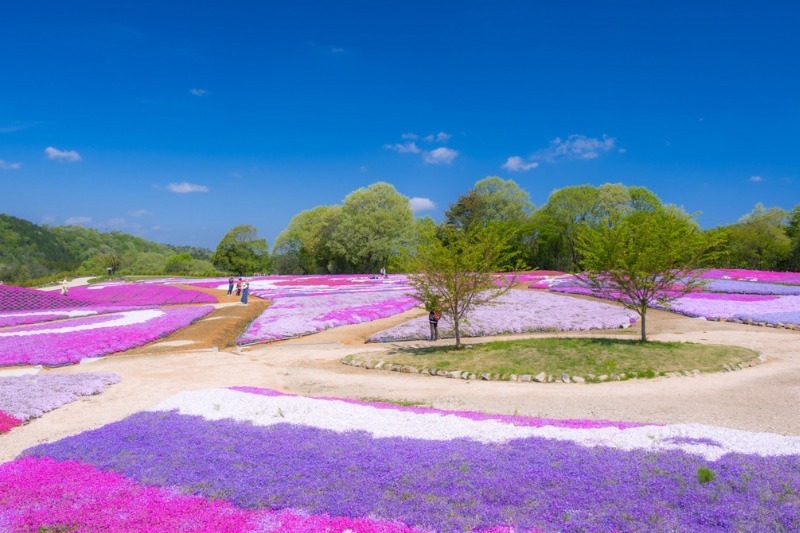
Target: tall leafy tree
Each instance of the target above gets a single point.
(454, 266)
(376, 224)
(759, 240)
(304, 244)
(492, 199)
(644, 257)
(241, 251)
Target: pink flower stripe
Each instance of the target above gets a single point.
(72, 340)
(525, 421)
(20, 318)
(139, 294)
(41, 493)
(8, 422)
(21, 299)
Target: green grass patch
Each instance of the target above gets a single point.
(403, 403)
(572, 356)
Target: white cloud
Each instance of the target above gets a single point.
(199, 92)
(409, 136)
(756, 179)
(403, 148)
(440, 156)
(440, 137)
(62, 155)
(9, 166)
(155, 228)
(78, 221)
(140, 213)
(622, 150)
(516, 164)
(575, 147)
(422, 204)
(185, 187)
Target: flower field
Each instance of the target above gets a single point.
(257, 460)
(69, 341)
(519, 312)
(744, 295)
(138, 294)
(21, 299)
(25, 397)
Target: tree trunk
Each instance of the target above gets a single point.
(458, 333)
(643, 315)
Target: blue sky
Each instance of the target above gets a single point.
(178, 120)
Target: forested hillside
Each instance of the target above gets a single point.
(29, 251)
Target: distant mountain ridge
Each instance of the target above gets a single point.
(29, 251)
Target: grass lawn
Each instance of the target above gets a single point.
(572, 356)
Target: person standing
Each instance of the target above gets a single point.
(245, 292)
(239, 287)
(230, 285)
(64, 287)
(433, 319)
(383, 272)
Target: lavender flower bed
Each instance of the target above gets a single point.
(21, 299)
(302, 315)
(256, 453)
(519, 312)
(26, 397)
(70, 341)
(750, 287)
(139, 294)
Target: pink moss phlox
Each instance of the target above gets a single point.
(140, 294)
(21, 299)
(765, 276)
(525, 421)
(41, 493)
(8, 422)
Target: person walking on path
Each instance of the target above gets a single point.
(64, 287)
(230, 285)
(245, 292)
(433, 319)
(239, 287)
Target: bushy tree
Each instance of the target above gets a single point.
(643, 258)
(374, 226)
(492, 199)
(759, 240)
(303, 247)
(241, 251)
(454, 267)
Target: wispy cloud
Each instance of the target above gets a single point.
(9, 166)
(576, 147)
(409, 147)
(421, 204)
(70, 156)
(140, 213)
(440, 156)
(327, 49)
(78, 221)
(19, 126)
(756, 179)
(440, 137)
(185, 187)
(516, 164)
(116, 223)
(409, 136)
(198, 92)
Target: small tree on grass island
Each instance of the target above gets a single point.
(455, 269)
(644, 257)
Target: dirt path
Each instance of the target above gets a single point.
(765, 398)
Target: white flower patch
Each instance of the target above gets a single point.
(69, 314)
(125, 318)
(706, 441)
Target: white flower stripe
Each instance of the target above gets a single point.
(125, 318)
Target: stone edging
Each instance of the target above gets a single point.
(541, 377)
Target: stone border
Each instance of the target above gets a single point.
(541, 377)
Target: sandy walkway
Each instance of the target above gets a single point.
(765, 398)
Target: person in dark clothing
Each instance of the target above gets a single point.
(433, 319)
(230, 285)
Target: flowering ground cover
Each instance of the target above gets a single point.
(21, 299)
(237, 460)
(69, 341)
(764, 276)
(138, 294)
(301, 315)
(518, 311)
(25, 397)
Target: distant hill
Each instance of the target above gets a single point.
(29, 251)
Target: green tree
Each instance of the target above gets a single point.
(179, 264)
(454, 267)
(759, 240)
(643, 258)
(375, 225)
(303, 245)
(793, 232)
(241, 251)
(492, 199)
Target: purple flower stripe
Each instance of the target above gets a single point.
(139, 294)
(749, 287)
(518, 311)
(525, 421)
(58, 348)
(26, 397)
(766, 276)
(457, 485)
